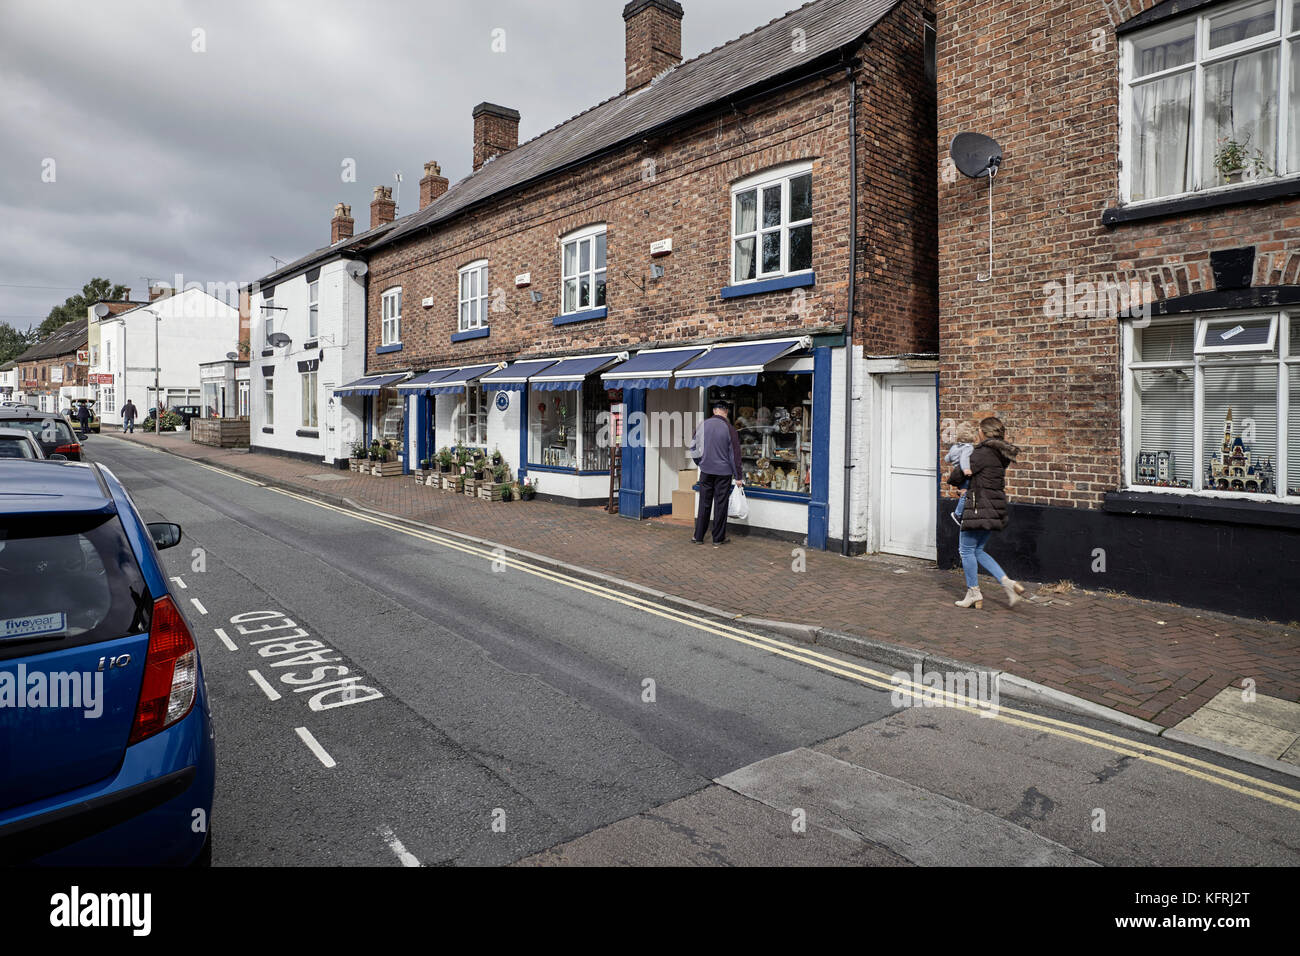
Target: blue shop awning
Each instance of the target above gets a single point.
(568, 374)
(457, 380)
(738, 364)
(370, 385)
(514, 377)
(421, 383)
(652, 368)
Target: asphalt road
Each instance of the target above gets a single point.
(492, 713)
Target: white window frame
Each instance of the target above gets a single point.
(578, 237)
(313, 309)
(781, 177)
(268, 398)
(1282, 37)
(310, 400)
(1203, 328)
(1286, 358)
(390, 329)
(472, 296)
(268, 320)
(467, 421)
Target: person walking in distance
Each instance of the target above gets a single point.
(128, 417)
(716, 452)
(986, 512)
(83, 416)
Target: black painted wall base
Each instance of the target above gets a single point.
(341, 463)
(1237, 568)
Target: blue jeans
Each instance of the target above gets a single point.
(961, 504)
(970, 545)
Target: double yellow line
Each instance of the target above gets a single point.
(1190, 766)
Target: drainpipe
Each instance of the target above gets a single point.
(848, 325)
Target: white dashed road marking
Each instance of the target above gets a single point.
(394, 844)
(180, 583)
(316, 748)
(225, 640)
(199, 605)
(270, 692)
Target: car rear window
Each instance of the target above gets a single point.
(52, 431)
(11, 447)
(65, 581)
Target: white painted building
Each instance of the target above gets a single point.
(173, 334)
(10, 385)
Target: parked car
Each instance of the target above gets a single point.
(55, 434)
(93, 424)
(123, 772)
(18, 444)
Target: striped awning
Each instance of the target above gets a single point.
(370, 385)
(651, 368)
(736, 364)
(461, 377)
(568, 374)
(514, 377)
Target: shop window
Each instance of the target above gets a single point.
(774, 419)
(771, 224)
(473, 296)
(1204, 96)
(243, 399)
(469, 417)
(553, 429)
(582, 270)
(391, 317)
(309, 399)
(268, 396)
(595, 410)
(390, 408)
(1237, 389)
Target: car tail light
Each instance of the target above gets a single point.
(73, 449)
(171, 673)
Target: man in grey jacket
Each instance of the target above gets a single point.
(716, 451)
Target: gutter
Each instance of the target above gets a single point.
(848, 323)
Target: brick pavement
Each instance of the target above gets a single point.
(1159, 662)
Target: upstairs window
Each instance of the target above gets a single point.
(1212, 99)
(582, 270)
(473, 296)
(391, 327)
(313, 309)
(771, 224)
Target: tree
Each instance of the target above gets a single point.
(75, 306)
(14, 342)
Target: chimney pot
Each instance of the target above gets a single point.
(342, 224)
(433, 185)
(653, 36)
(496, 131)
(382, 207)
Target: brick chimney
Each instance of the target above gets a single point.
(342, 223)
(159, 291)
(382, 207)
(433, 185)
(496, 131)
(653, 39)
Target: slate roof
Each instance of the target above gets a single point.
(324, 253)
(752, 60)
(62, 341)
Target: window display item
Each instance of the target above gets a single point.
(1234, 469)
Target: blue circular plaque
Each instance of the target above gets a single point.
(503, 400)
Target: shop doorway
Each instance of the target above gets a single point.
(908, 458)
(671, 417)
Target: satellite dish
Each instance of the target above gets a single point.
(101, 310)
(278, 339)
(357, 269)
(975, 154)
(233, 356)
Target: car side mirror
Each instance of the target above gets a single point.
(57, 457)
(165, 534)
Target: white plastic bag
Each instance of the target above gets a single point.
(738, 504)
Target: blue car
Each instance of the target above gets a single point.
(107, 754)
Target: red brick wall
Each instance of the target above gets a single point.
(679, 188)
(1028, 74)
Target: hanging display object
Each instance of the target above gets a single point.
(1235, 469)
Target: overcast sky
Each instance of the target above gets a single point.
(165, 160)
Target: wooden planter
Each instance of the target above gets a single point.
(471, 487)
(451, 483)
(385, 469)
(354, 464)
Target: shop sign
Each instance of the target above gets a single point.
(83, 356)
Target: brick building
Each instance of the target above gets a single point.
(701, 234)
(53, 371)
(1140, 332)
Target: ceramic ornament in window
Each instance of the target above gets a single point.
(1235, 469)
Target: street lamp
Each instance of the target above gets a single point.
(157, 320)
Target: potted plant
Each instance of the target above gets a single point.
(496, 457)
(445, 459)
(507, 494)
(527, 490)
(1234, 159)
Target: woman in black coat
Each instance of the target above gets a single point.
(986, 512)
